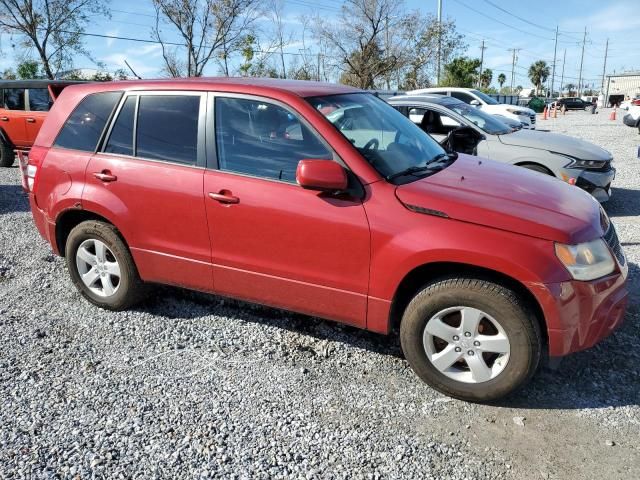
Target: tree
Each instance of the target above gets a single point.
(485, 78)
(570, 87)
(424, 32)
(9, 74)
(501, 79)
(363, 42)
(205, 26)
(28, 69)
(538, 73)
(53, 28)
(461, 72)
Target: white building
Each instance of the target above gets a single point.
(618, 87)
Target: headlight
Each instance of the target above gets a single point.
(517, 112)
(587, 164)
(586, 261)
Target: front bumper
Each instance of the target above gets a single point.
(629, 121)
(580, 314)
(595, 182)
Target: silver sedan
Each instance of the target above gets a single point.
(466, 129)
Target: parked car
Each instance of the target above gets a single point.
(23, 108)
(632, 119)
(515, 125)
(575, 161)
(478, 99)
(257, 189)
(572, 103)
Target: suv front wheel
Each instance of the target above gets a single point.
(101, 266)
(471, 339)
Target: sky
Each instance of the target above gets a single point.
(502, 24)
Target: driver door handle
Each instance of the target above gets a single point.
(224, 196)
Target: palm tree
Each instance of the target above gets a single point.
(501, 79)
(538, 73)
(486, 77)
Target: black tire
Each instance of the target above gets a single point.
(7, 155)
(131, 289)
(537, 168)
(514, 316)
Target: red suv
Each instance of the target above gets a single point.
(23, 107)
(323, 199)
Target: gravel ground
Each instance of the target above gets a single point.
(193, 386)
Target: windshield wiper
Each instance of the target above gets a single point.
(435, 165)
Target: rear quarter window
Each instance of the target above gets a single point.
(84, 127)
(39, 100)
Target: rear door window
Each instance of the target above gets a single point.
(14, 98)
(85, 125)
(39, 100)
(167, 128)
(121, 137)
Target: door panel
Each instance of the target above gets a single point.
(159, 208)
(285, 246)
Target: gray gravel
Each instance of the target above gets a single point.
(192, 386)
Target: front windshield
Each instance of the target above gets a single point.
(485, 98)
(389, 141)
(485, 121)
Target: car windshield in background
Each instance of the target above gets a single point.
(483, 120)
(389, 141)
(485, 98)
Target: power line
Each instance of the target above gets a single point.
(479, 12)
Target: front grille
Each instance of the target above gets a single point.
(611, 237)
(533, 119)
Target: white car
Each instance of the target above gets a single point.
(478, 99)
(632, 119)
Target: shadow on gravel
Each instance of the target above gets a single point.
(13, 199)
(624, 202)
(170, 302)
(607, 375)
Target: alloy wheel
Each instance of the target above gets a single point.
(98, 268)
(466, 344)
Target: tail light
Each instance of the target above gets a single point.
(30, 165)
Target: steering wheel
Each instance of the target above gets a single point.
(373, 143)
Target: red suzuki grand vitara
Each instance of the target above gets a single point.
(323, 199)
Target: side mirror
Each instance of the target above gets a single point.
(322, 175)
(475, 103)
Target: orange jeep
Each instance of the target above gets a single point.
(23, 107)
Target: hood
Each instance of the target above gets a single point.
(509, 198)
(554, 142)
(502, 108)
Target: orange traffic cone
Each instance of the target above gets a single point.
(544, 114)
(613, 114)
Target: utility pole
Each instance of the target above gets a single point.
(439, 38)
(584, 40)
(513, 64)
(553, 72)
(604, 68)
(386, 47)
(564, 58)
(482, 49)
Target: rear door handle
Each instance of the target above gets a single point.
(4, 119)
(31, 120)
(105, 176)
(224, 196)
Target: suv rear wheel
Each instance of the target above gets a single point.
(7, 157)
(471, 339)
(101, 266)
